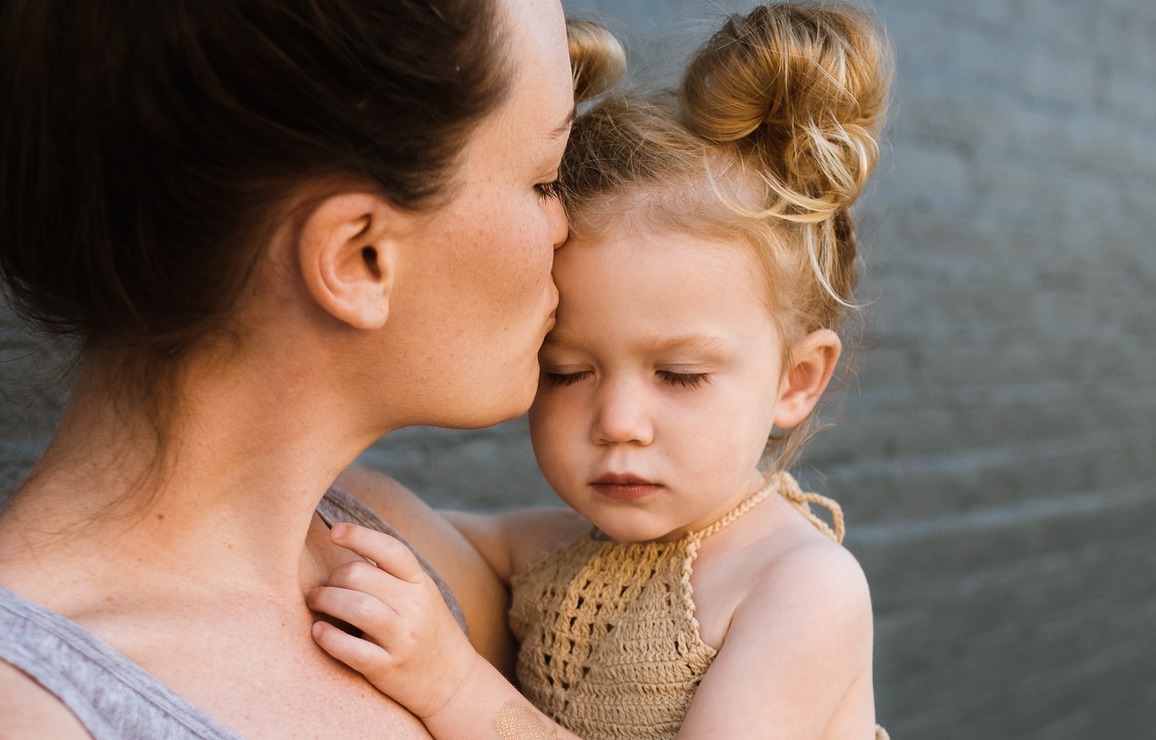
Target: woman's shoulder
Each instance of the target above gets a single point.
(30, 710)
(430, 533)
(385, 496)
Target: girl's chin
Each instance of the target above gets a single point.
(614, 530)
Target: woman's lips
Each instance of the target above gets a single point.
(624, 487)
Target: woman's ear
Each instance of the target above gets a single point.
(347, 252)
(813, 360)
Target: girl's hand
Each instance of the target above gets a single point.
(412, 649)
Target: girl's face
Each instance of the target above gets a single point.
(660, 383)
(475, 297)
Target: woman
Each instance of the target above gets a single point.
(280, 230)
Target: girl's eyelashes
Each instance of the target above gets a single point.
(683, 380)
(561, 380)
(547, 190)
(668, 377)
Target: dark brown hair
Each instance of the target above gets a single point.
(147, 145)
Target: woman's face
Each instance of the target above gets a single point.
(474, 298)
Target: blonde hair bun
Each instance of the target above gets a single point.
(597, 59)
(803, 87)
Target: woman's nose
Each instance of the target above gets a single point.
(621, 416)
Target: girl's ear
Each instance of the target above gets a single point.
(347, 253)
(813, 361)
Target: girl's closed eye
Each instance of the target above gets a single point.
(563, 379)
(683, 380)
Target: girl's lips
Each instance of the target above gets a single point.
(624, 487)
(621, 479)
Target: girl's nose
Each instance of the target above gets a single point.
(621, 416)
(559, 225)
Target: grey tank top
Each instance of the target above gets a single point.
(113, 697)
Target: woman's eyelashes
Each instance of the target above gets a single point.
(547, 190)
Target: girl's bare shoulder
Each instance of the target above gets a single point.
(801, 563)
(778, 562)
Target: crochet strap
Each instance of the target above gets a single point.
(803, 500)
(784, 484)
(749, 503)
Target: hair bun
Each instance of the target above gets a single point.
(597, 59)
(804, 87)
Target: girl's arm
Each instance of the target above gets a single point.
(796, 661)
(509, 540)
(412, 649)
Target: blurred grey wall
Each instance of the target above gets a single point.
(995, 451)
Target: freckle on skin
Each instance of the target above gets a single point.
(160, 517)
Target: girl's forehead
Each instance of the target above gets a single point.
(630, 246)
(663, 276)
(659, 272)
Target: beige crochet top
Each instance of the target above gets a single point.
(610, 646)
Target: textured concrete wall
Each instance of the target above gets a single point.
(996, 450)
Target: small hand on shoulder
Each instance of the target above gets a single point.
(411, 648)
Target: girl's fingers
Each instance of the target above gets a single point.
(360, 655)
(368, 578)
(389, 553)
(365, 612)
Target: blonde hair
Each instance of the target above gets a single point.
(597, 59)
(768, 142)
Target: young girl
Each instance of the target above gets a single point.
(692, 592)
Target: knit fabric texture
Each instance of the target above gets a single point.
(610, 645)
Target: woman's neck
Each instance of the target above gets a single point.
(229, 496)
